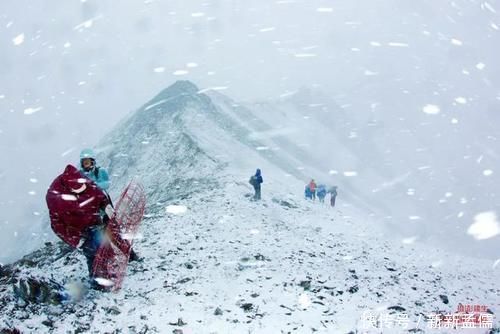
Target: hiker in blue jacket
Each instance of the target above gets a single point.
(308, 193)
(90, 169)
(100, 176)
(256, 180)
(321, 192)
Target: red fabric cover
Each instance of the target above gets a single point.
(70, 213)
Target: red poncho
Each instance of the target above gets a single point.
(74, 202)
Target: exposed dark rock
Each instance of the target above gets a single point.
(184, 280)
(260, 257)
(353, 289)
(286, 204)
(113, 310)
(247, 307)
(49, 323)
(396, 308)
(444, 298)
(306, 285)
(179, 322)
(10, 331)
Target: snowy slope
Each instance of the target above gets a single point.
(226, 252)
(276, 266)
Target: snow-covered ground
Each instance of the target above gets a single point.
(276, 266)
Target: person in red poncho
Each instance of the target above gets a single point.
(74, 203)
(312, 188)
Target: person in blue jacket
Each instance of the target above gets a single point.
(308, 193)
(100, 176)
(321, 192)
(90, 169)
(256, 180)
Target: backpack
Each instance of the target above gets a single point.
(253, 180)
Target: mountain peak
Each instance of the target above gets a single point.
(180, 87)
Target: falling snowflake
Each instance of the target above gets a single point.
(104, 282)
(305, 55)
(268, 29)
(180, 72)
(31, 111)
(487, 172)
(485, 226)
(399, 45)
(431, 109)
(18, 40)
(409, 241)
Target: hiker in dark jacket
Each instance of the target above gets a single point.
(333, 195)
(256, 180)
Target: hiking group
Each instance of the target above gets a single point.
(312, 190)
